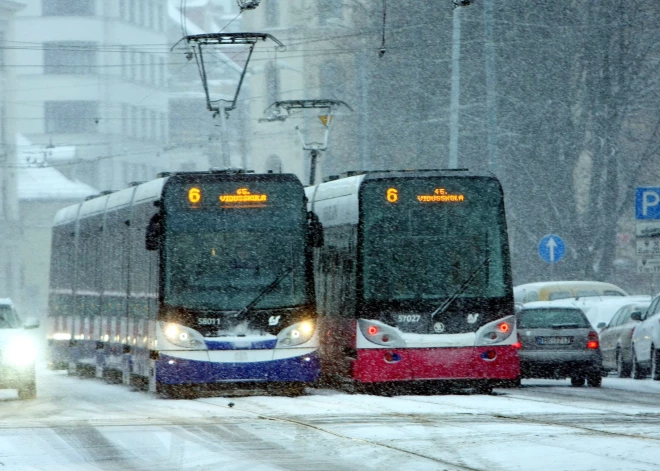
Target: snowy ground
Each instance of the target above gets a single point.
(80, 424)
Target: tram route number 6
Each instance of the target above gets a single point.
(392, 195)
(194, 195)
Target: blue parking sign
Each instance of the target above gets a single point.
(647, 203)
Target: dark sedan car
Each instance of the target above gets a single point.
(616, 338)
(557, 341)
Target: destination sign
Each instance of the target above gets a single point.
(440, 195)
(243, 195)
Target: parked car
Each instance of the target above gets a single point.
(600, 310)
(616, 338)
(17, 352)
(645, 350)
(557, 341)
(552, 290)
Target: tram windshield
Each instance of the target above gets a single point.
(223, 258)
(424, 238)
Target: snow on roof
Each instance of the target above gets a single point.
(46, 183)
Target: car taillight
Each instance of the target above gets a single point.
(592, 340)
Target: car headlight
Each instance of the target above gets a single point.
(182, 336)
(295, 334)
(21, 351)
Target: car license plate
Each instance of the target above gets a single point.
(554, 340)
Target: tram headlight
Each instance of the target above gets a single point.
(296, 334)
(21, 351)
(182, 336)
(496, 332)
(381, 333)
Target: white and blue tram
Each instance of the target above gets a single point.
(192, 278)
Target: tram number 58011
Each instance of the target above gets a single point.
(409, 318)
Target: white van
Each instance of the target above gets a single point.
(552, 290)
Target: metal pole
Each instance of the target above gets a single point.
(491, 100)
(224, 139)
(455, 88)
(312, 166)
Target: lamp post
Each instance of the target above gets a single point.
(455, 82)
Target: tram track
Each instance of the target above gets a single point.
(317, 428)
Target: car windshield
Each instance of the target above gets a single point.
(8, 318)
(551, 318)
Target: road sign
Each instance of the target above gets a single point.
(647, 229)
(647, 203)
(648, 246)
(648, 265)
(552, 248)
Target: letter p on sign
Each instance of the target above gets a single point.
(647, 203)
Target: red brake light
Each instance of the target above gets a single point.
(373, 330)
(504, 327)
(592, 340)
(518, 344)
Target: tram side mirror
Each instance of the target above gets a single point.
(154, 233)
(601, 325)
(636, 316)
(314, 230)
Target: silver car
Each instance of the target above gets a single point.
(557, 341)
(616, 338)
(645, 348)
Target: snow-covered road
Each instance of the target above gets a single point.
(80, 424)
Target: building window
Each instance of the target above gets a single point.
(272, 13)
(272, 83)
(160, 18)
(140, 11)
(3, 143)
(68, 7)
(329, 10)
(134, 121)
(153, 123)
(70, 57)
(123, 11)
(145, 124)
(65, 117)
(150, 20)
(161, 69)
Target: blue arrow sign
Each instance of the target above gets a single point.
(552, 248)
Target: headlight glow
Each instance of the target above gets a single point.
(21, 351)
(295, 334)
(61, 336)
(182, 336)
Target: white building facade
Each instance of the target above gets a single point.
(93, 74)
(10, 233)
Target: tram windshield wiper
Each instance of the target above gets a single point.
(264, 292)
(445, 305)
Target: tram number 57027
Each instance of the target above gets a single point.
(409, 318)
